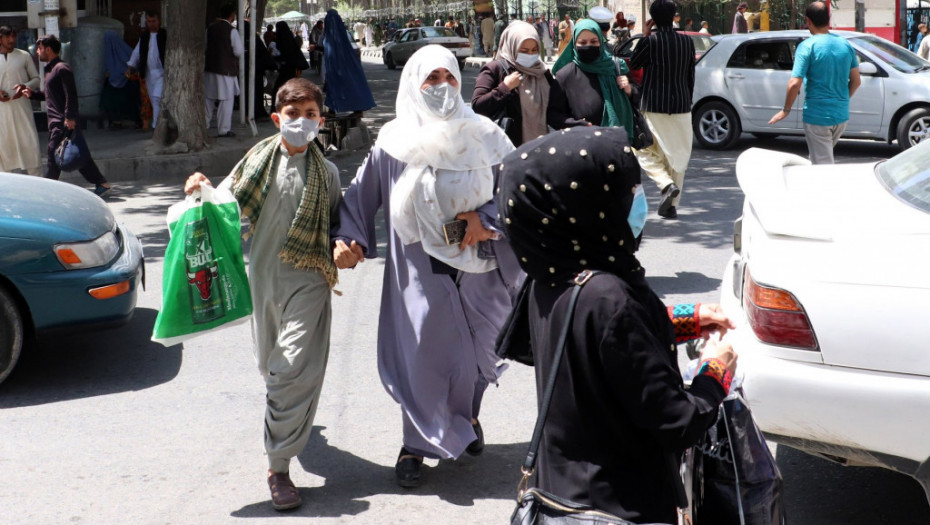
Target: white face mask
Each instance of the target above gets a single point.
(300, 131)
(441, 99)
(527, 60)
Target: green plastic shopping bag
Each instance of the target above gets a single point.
(204, 282)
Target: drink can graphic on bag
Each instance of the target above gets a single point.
(203, 274)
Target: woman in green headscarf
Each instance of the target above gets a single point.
(592, 89)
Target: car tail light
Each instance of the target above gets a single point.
(776, 316)
(109, 291)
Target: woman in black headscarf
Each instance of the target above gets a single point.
(620, 415)
(292, 58)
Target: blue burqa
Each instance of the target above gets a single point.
(346, 86)
(116, 55)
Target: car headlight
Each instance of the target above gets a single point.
(79, 255)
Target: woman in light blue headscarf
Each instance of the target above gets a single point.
(592, 87)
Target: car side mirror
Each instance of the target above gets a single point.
(867, 68)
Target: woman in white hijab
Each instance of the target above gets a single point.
(442, 304)
(516, 85)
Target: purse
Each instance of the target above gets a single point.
(642, 137)
(72, 154)
(501, 119)
(538, 507)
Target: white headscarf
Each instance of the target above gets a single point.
(448, 162)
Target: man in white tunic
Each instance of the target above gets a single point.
(290, 194)
(221, 74)
(148, 58)
(19, 142)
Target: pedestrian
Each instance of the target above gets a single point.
(545, 39)
(620, 415)
(826, 65)
(359, 30)
(592, 88)
(487, 34)
(121, 94)
(705, 28)
(499, 27)
(391, 28)
(443, 302)
(459, 28)
(369, 33)
(619, 29)
(347, 89)
(315, 48)
(566, 30)
(221, 76)
(148, 58)
(516, 83)
(19, 141)
(61, 105)
(676, 20)
(924, 49)
(264, 61)
(304, 31)
(285, 181)
(689, 24)
(450, 24)
(292, 60)
(667, 59)
(740, 25)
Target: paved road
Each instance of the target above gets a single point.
(109, 428)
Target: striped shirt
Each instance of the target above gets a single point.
(667, 59)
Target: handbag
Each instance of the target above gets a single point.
(538, 507)
(734, 477)
(513, 341)
(642, 137)
(72, 154)
(501, 119)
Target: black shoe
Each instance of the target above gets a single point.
(670, 213)
(668, 196)
(407, 469)
(476, 447)
(101, 190)
(227, 134)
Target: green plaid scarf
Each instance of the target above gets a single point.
(307, 246)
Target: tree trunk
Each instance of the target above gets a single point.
(182, 110)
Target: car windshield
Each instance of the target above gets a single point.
(907, 176)
(702, 44)
(433, 32)
(891, 53)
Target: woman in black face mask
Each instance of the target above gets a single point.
(592, 89)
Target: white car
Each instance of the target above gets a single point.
(829, 286)
(740, 83)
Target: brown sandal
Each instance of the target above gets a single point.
(284, 494)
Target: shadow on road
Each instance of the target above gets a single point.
(91, 364)
(350, 479)
(683, 283)
(818, 491)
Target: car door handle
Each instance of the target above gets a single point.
(736, 76)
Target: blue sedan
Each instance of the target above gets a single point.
(65, 263)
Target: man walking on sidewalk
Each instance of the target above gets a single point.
(827, 66)
(19, 142)
(221, 79)
(61, 103)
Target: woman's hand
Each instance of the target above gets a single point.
(195, 181)
(721, 350)
(712, 319)
(475, 232)
(624, 84)
(512, 81)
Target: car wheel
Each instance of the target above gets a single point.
(716, 125)
(11, 333)
(913, 128)
(389, 61)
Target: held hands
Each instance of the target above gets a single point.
(512, 81)
(195, 181)
(347, 256)
(475, 232)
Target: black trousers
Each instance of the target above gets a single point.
(90, 171)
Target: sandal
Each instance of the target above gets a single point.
(407, 469)
(284, 494)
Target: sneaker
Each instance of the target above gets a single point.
(101, 190)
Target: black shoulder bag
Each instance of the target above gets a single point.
(642, 137)
(501, 119)
(537, 507)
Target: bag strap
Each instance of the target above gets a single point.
(529, 465)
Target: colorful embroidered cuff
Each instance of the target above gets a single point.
(686, 321)
(717, 370)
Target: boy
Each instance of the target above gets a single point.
(291, 271)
